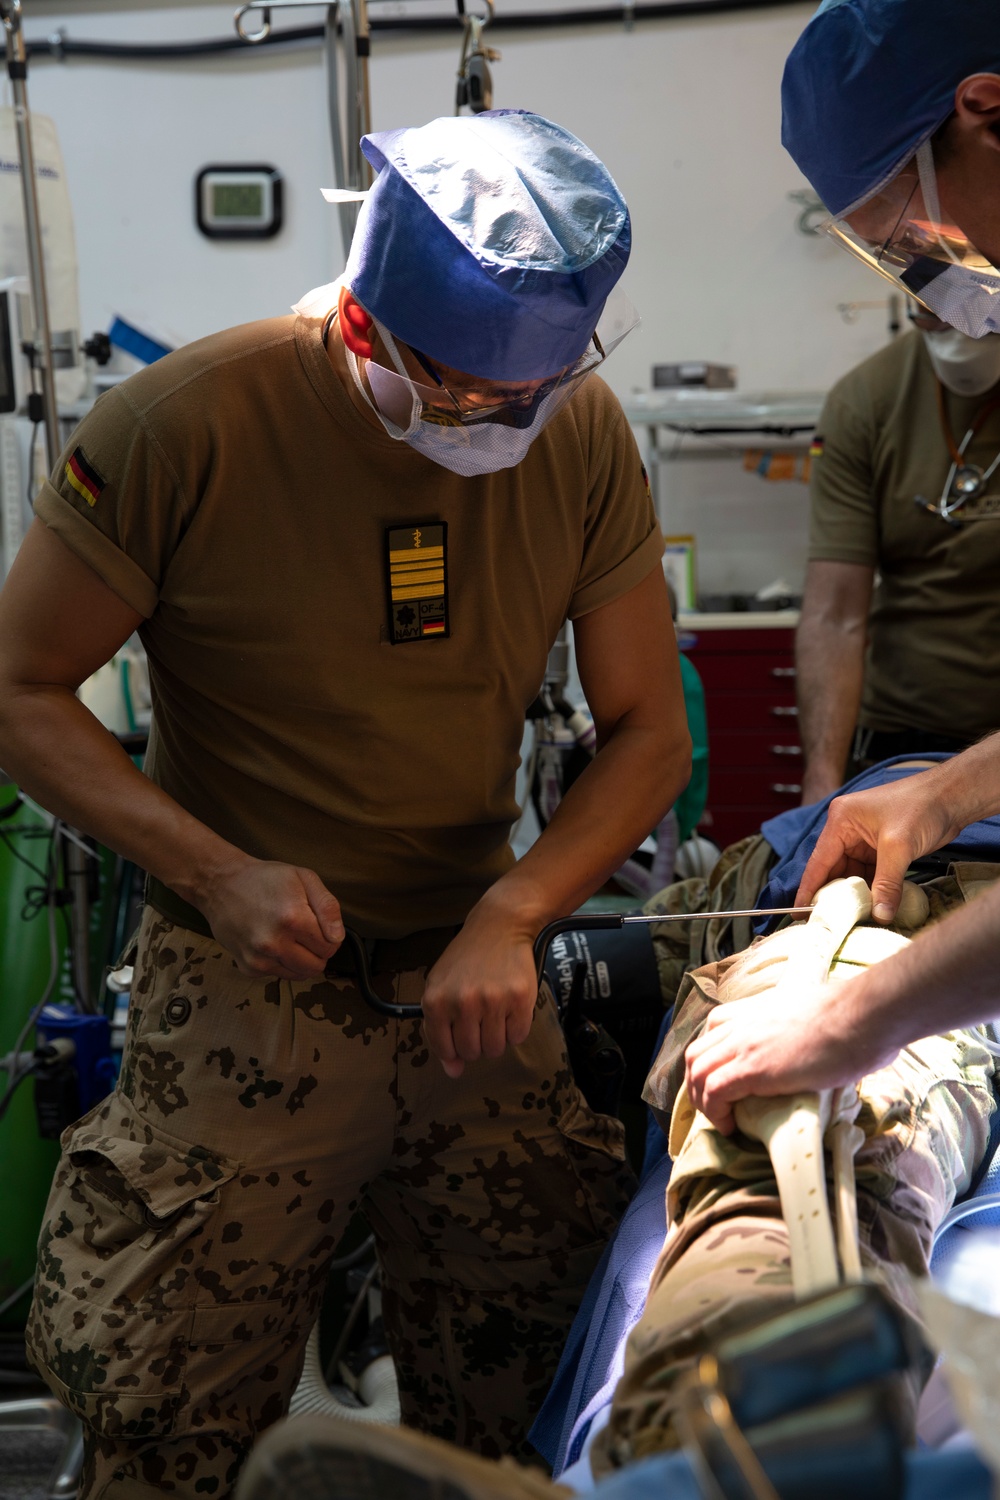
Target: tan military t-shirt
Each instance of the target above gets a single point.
(235, 496)
(934, 639)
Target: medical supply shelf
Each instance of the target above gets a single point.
(708, 424)
(747, 665)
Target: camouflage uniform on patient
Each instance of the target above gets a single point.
(926, 1119)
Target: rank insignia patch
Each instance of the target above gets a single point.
(84, 477)
(417, 577)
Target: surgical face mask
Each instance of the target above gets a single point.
(483, 438)
(900, 232)
(969, 367)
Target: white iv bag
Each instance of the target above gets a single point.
(58, 240)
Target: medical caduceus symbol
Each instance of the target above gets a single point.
(417, 538)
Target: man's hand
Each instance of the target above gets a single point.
(779, 1044)
(480, 995)
(877, 834)
(273, 918)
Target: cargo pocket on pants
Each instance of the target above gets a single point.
(114, 1311)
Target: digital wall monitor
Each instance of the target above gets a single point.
(238, 202)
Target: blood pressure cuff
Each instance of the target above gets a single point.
(621, 991)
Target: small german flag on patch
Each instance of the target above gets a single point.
(84, 477)
(816, 447)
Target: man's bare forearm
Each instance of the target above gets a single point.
(949, 977)
(830, 668)
(625, 791)
(63, 757)
(968, 785)
(829, 657)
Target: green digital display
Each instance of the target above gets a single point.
(237, 200)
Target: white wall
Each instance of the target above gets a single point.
(684, 112)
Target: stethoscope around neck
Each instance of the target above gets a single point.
(965, 481)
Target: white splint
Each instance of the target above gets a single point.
(798, 1128)
(793, 1128)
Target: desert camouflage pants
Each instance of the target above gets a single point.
(194, 1213)
(725, 1260)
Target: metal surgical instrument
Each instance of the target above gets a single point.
(596, 921)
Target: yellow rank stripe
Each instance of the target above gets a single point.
(419, 565)
(416, 554)
(432, 575)
(416, 573)
(419, 591)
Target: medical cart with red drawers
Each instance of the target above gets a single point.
(747, 665)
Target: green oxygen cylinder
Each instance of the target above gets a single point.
(26, 1162)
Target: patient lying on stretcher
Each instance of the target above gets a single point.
(742, 1240)
(921, 1126)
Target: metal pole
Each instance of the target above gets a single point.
(347, 25)
(363, 34)
(17, 69)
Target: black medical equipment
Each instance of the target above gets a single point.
(804, 1404)
(585, 923)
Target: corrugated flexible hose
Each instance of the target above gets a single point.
(377, 1388)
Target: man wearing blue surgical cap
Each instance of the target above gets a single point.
(348, 540)
(892, 110)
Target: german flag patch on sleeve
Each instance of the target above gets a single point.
(84, 477)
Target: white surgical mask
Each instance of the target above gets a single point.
(484, 446)
(469, 451)
(967, 366)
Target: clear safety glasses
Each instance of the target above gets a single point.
(900, 233)
(449, 399)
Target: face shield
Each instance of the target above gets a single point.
(900, 232)
(477, 426)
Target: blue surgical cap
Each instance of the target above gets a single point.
(489, 242)
(869, 80)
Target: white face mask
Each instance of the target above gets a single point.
(482, 448)
(485, 446)
(967, 366)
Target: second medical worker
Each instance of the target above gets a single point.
(900, 624)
